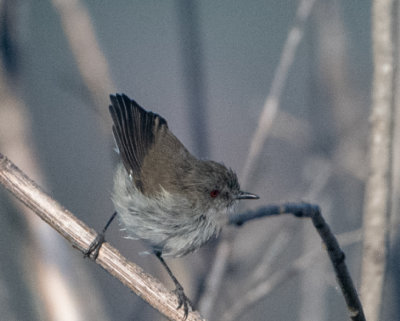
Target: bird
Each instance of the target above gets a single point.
(163, 195)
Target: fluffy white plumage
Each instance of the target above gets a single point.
(168, 223)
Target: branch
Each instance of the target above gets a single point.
(81, 236)
(261, 288)
(266, 119)
(89, 58)
(336, 255)
(281, 74)
(377, 200)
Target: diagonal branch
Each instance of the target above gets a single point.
(268, 114)
(132, 276)
(272, 101)
(263, 288)
(335, 253)
(85, 48)
(81, 236)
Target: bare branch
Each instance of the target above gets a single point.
(85, 48)
(41, 271)
(81, 236)
(336, 255)
(278, 83)
(265, 287)
(206, 302)
(266, 119)
(378, 189)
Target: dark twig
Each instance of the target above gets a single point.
(336, 255)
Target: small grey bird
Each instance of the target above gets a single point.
(163, 194)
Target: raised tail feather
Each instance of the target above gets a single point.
(134, 130)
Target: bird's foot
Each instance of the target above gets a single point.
(183, 300)
(94, 248)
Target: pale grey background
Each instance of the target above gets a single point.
(321, 128)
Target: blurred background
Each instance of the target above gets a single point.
(293, 77)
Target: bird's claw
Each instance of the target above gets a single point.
(94, 248)
(183, 301)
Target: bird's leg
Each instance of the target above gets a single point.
(94, 248)
(183, 300)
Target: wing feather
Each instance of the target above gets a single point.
(135, 131)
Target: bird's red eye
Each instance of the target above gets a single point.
(214, 193)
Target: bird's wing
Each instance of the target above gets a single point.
(135, 130)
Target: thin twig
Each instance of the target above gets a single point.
(378, 188)
(265, 287)
(278, 240)
(206, 302)
(188, 15)
(89, 58)
(395, 206)
(278, 84)
(336, 255)
(267, 117)
(81, 236)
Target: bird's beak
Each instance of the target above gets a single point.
(247, 196)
